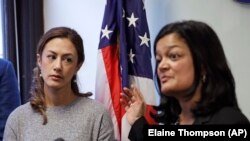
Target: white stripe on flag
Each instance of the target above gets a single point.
(103, 91)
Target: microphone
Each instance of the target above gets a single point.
(59, 139)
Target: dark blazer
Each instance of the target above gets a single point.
(224, 116)
(9, 93)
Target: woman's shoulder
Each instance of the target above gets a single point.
(21, 112)
(229, 115)
(22, 109)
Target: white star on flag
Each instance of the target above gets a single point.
(106, 32)
(120, 66)
(132, 20)
(131, 56)
(144, 40)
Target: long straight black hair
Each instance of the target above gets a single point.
(218, 89)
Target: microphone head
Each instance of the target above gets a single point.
(59, 139)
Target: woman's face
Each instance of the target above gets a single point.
(58, 63)
(175, 65)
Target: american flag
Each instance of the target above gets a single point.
(124, 58)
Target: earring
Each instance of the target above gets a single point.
(74, 79)
(204, 78)
(40, 75)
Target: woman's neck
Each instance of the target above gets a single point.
(186, 116)
(59, 97)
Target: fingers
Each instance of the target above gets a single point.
(124, 100)
(128, 92)
(135, 93)
(139, 98)
(131, 95)
(138, 94)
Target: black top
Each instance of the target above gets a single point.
(226, 116)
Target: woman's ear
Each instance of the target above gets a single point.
(38, 59)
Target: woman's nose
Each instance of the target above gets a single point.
(58, 65)
(163, 64)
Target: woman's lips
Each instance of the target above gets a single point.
(55, 77)
(164, 79)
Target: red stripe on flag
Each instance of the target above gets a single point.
(112, 66)
(150, 110)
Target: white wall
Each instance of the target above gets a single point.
(228, 18)
(85, 16)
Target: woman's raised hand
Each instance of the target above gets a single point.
(133, 102)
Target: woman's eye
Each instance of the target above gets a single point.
(51, 57)
(158, 61)
(174, 56)
(68, 60)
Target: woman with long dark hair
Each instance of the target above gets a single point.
(193, 77)
(57, 110)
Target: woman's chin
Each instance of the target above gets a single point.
(54, 85)
(167, 92)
